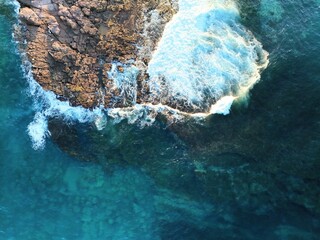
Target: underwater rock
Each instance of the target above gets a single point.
(249, 171)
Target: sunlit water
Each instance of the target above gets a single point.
(46, 194)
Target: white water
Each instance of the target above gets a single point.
(125, 81)
(205, 56)
(14, 3)
(48, 106)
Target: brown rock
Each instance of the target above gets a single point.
(29, 16)
(75, 43)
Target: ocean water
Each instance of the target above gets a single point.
(252, 174)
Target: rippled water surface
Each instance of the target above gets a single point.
(252, 174)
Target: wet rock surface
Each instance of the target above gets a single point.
(72, 44)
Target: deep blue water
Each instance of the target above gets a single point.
(155, 184)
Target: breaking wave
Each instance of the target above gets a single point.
(205, 57)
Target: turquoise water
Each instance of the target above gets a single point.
(253, 174)
(46, 194)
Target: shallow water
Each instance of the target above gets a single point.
(253, 174)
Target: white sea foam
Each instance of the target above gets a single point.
(46, 105)
(38, 130)
(14, 3)
(125, 81)
(205, 54)
(222, 106)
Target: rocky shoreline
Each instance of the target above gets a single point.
(74, 44)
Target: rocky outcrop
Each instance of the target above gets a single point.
(72, 44)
